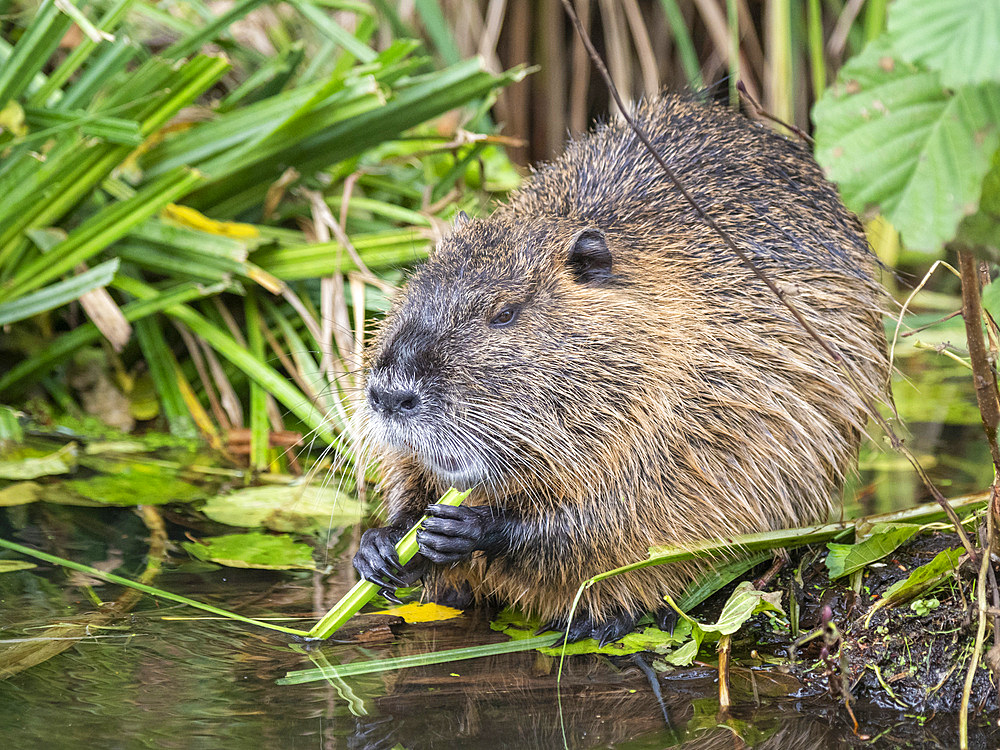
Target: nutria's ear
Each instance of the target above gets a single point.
(590, 258)
(461, 219)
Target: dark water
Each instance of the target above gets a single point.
(168, 678)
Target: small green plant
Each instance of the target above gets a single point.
(923, 607)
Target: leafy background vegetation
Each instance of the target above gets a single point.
(205, 204)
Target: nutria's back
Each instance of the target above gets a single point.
(608, 376)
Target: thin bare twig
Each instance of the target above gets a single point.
(983, 376)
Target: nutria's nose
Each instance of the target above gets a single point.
(403, 402)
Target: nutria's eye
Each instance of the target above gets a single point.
(505, 317)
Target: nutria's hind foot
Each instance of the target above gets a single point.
(666, 619)
(456, 597)
(377, 562)
(603, 630)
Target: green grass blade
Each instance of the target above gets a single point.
(685, 47)
(438, 30)
(190, 43)
(259, 426)
(334, 31)
(100, 231)
(25, 374)
(300, 676)
(162, 369)
(33, 50)
(81, 53)
(272, 381)
(58, 294)
(817, 61)
(85, 89)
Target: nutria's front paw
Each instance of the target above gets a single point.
(452, 534)
(603, 630)
(378, 562)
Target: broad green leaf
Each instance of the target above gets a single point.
(844, 559)
(685, 655)
(982, 229)
(300, 509)
(744, 603)
(898, 142)
(253, 550)
(959, 38)
(922, 579)
(61, 461)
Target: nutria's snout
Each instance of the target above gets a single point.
(406, 416)
(394, 401)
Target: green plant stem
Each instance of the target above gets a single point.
(300, 676)
(790, 538)
(685, 47)
(817, 62)
(363, 591)
(112, 578)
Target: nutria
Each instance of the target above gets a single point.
(607, 375)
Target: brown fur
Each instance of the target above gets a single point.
(676, 400)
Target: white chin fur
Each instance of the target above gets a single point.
(460, 473)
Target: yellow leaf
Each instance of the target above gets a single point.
(415, 612)
(190, 217)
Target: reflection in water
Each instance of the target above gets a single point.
(165, 683)
(160, 683)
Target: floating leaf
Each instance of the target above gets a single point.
(302, 509)
(416, 612)
(959, 38)
(898, 142)
(685, 655)
(9, 566)
(137, 485)
(62, 461)
(253, 550)
(884, 538)
(21, 493)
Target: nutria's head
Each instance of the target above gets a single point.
(508, 360)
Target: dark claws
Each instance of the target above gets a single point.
(666, 619)
(584, 626)
(389, 595)
(378, 563)
(552, 626)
